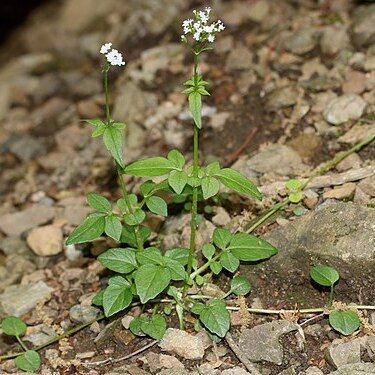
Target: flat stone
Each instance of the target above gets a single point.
(314, 371)
(301, 41)
(334, 39)
(183, 344)
(27, 147)
(261, 343)
(235, 371)
(18, 300)
(341, 192)
(367, 185)
(363, 26)
(342, 353)
(356, 369)
(341, 230)
(39, 335)
(350, 162)
(344, 108)
(14, 224)
(355, 83)
(279, 159)
(45, 241)
(13, 245)
(282, 97)
(82, 314)
(239, 58)
(221, 217)
(357, 133)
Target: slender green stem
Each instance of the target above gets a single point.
(128, 204)
(106, 93)
(194, 207)
(203, 268)
(330, 301)
(326, 167)
(23, 346)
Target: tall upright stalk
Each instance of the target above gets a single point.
(194, 207)
(118, 167)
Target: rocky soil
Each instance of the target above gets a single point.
(293, 85)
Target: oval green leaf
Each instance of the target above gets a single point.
(112, 138)
(99, 202)
(222, 237)
(120, 260)
(151, 280)
(113, 227)
(345, 322)
(240, 286)
(215, 317)
(238, 182)
(195, 106)
(116, 298)
(208, 250)
(90, 229)
(176, 158)
(210, 187)
(250, 248)
(178, 180)
(157, 205)
(324, 275)
(151, 167)
(229, 261)
(29, 361)
(13, 326)
(155, 327)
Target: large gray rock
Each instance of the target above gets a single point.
(278, 159)
(261, 343)
(334, 39)
(301, 42)
(341, 353)
(14, 224)
(18, 300)
(341, 230)
(356, 369)
(344, 108)
(363, 26)
(282, 97)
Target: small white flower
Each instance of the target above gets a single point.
(115, 58)
(105, 48)
(199, 27)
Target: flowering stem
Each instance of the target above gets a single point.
(194, 207)
(105, 77)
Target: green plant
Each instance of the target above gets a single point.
(147, 273)
(342, 319)
(30, 359)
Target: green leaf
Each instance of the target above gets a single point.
(135, 218)
(119, 281)
(112, 138)
(176, 158)
(229, 261)
(238, 182)
(176, 269)
(157, 205)
(98, 131)
(216, 267)
(135, 325)
(116, 298)
(250, 248)
(13, 326)
(94, 121)
(113, 227)
(128, 234)
(150, 167)
(222, 237)
(208, 250)
(324, 275)
(240, 285)
(155, 327)
(178, 180)
(203, 91)
(294, 184)
(188, 91)
(296, 196)
(189, 82)
(197, 308)
(98, 298)
(120, 260)
(210, 187)
(180, 254)
(118, 125)
(195, 106)
(29, 361)
(213, 168)
(151, 280)
(146, 188)
(215, 317)
(121, 204)
(99, 202)
(90, 229)
(151, 255)
(345, 322)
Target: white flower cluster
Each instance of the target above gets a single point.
(113, 56)
(199, 27)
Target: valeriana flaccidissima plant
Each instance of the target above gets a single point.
(145, 274)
